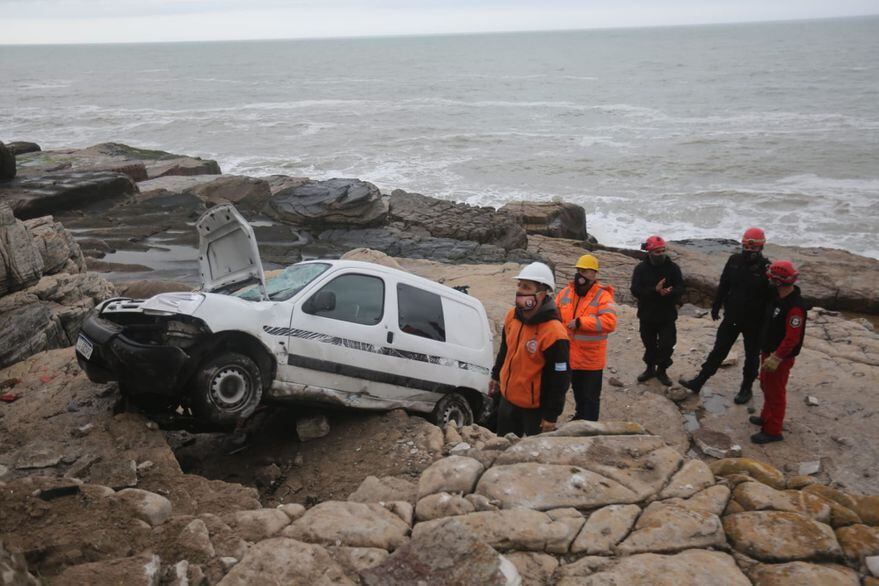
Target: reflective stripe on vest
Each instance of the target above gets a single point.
(590, 338)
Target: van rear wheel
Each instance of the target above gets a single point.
(227, 388)
(453, 407)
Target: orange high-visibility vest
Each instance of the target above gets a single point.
(521, 374)
(598, 318)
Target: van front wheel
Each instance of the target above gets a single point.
(453, 407)
(228, 387)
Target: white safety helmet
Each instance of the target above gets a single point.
(538, 272)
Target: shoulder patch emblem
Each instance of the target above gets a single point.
(531, 346)
(796, 321)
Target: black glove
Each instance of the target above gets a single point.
(715, 312)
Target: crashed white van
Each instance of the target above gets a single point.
(347, 333)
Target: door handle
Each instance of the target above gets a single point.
(390, 337)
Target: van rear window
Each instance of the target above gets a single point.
(420, 313)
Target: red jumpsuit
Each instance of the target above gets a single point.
(792, 318)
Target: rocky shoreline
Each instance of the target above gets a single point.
(91, 495)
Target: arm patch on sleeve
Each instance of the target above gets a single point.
(561, 366)
(796, 321)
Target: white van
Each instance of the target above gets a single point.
(347, 333)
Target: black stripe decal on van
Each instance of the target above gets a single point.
(366, 347)
(367, 374)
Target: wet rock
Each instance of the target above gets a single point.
(22, 147)
(442, 504)
(513, 529)
(309, 428)
(605, 528)
(32, 197)
(667, 528)
(693, 476)
(536, 569)
(802, 574)
(7, 162)
(457, 221)
(773, 536)
(716, 444)
(689, 568)
(760, 471)
(142, 570)
(551, 218)
(351, 524)
(286, 561)
(244, 192)
(450, 475)
(194, 541)
(385, 489)
(450, 554)
(858, 542)
(334, 202)
(259, 524)
(146, 506)
(13, 568)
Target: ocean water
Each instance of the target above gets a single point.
(697, 131)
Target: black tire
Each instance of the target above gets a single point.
(228, 388)
(452, 407)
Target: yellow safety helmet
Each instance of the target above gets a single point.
(587, 261)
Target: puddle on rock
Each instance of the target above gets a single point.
(691, 422)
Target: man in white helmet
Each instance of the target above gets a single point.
(531, 371)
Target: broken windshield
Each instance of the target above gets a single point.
(285, 283)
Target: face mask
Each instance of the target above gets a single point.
(526, 302)
(775, 283)
(750, 254)
(580, 280)
(656, 259)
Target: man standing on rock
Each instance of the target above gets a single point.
(531, 370)
(743, 293)
(587, 309)
(782, 339)
(657, 284)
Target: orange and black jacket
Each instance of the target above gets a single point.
(532, 363)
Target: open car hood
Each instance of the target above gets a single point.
(227, 251)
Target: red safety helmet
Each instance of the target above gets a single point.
(783, 271)
(753, 238)
(654, 243)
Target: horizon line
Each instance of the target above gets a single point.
(448, 34)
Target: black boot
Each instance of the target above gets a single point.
(662, 377)
(756, 420)
(765, 438)
(648, 373)
(744, 395)
(694, 384)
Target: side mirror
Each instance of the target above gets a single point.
(321, 301)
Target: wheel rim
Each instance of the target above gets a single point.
(229, 389)
(456, 414)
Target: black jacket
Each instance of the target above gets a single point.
(653, 307)
(743, 291)
(785, 325)
(553, 384)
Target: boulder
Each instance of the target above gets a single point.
(351, 524)
(756, 496)
(802, 574)
(314, 427)
(357, 559)
(20, 262)
(385, 489)
(21, 147)
(32, 197)
(668, 528)
(712, 500)
(141, 570)
(556, 219)
(248, 193)
(867, 508)
(536, 569)
(56, 246)
(585, 428)
(605, 528)
(774, 536)
(458, 221)
(259, 524)
(694, 567)
(194, 541)
(146, 506)
(452, 474)
(286, 561)
(694, 475)
(760, 471)
(334, 202)
(7, 162)
(858, 542)
(442, 504)
(451, 554)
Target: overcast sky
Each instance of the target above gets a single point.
(102, 21)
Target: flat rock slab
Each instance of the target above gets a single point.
(666, 528)
(143, 570)
(773, 536)
(760, 471)
(694, 475)
(334, 202)
(859, 542)
(351, 524)
(385, 489)
(451, 474)
(689, 568)
(605, 528)
(286, 561)
(515, 529)
(803, 574)
(756, 496)
(641, 463)
(32, 197)
(712, 500)
(550, 486)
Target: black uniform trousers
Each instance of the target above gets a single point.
(587, 393)
(659, 339)
(727, 333)
(517, 420)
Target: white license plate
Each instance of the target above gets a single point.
(84, 347)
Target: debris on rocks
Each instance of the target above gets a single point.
(809, 468)
(82, 430)
(314, 427)
(615, 382)
(731, 360)
(716, 444)
(811, 401)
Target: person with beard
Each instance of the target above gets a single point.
(657, 284)
(587, 309)
(781, 341)
(743, 293)
(531, 369)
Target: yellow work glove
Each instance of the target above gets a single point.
(771, 363)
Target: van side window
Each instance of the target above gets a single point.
(355, 298)
(420, 313)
